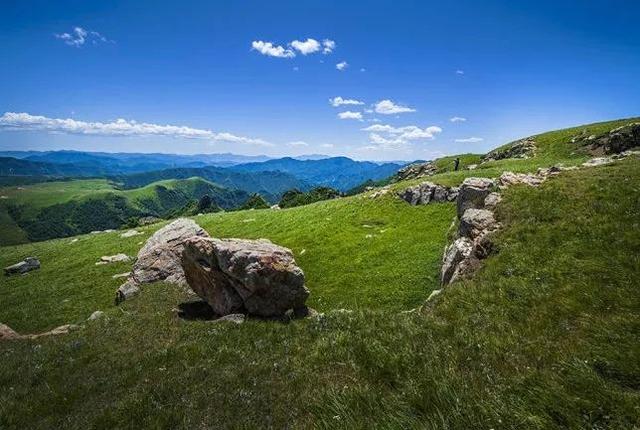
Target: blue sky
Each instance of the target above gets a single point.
(187, 74)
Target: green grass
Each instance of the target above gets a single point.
(356, 253)
(546, 336)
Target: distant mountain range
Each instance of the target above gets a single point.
(270, 177)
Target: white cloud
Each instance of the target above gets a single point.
(296, 68)
(387, 107)
(307, 47)
(390, 137)
(120, 127)
(342, 65)
(298, 143)
(470, 140)
(339, 101)
(459, 72)
(271, 50)
(363, 69)
(350, 115)
(457, 119)
(327, 145)
(79, 36)
(329, 45)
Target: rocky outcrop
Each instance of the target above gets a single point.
(615, 141)
(520, 149)
(472, 193)
(160, 257)
(24, 266)
(477, 223)
(244, 276)
(428, 192)
(416, 170)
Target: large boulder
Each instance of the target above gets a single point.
(416, 170)
(614, 142)
(520, 149)
(24, 266)
(472, 193)
(244, 276)
(160, 257)
(508, 179)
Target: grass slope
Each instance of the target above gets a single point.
(65, 208)
(546, 336)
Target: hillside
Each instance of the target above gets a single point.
(544, 336)
(269, 184)
(341, 173)
(60, 209)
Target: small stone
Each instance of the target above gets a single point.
(118, 258)
(130, 233)
(232, 318)
(24, 266)
(96, 315)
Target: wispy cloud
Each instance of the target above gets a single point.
(79, 36)
(271, 50)
(339, 101)
(389, 137)
(387, 107)
(470, 140)
(459, 72)
(120, 127)
(457, 119)
(342, 66)
(327, 145)
(350, 115)
(298, 143)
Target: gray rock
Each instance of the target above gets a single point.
(232, 318)
(24, 266)
(118, 258)
(96, 316)
(7, 333)
(476, 221)
(252, 276)
(492, 200)
(509, 178)
(160, 257)
(459, 250)
(417, 170)
(472, 193)
(127, 290)
(130, 233)
(520, 149)
(428, 192)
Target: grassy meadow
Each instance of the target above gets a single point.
(546, 335)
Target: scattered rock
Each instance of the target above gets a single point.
(232, 318)
(598, 161)
(7, 333)
(95, 316)
(244, 276)
(121, 275)
(159, 258)
(147, 220)
(472, 167)
(472, 193)
(275, 207)
(520, 149)
(428, 192)
(24, 266)
(130, 233)
(73, 240)
(118, 258)
(381, 192)
(509, 178)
